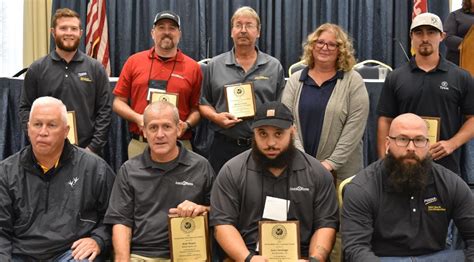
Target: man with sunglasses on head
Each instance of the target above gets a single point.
(245, 63)
(163, 68)
(398, 208)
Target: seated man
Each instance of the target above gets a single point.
(273, 167)
(53, 194)
(166, 179)
(400, 206)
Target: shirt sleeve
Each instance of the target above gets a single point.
(103, 110)
(467, 107)
(225, 199)
(387, 105)
(206, 89)
(121, 204)
(451, 27)
(6, 215)
(463, 216)
(357, 225)
(325, 207)
(124, 83)
(29, 92)
(196, 91)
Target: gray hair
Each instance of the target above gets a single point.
(50, 101)
(159, 106)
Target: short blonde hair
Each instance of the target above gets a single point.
(345, 60)
(245, 11)
(64, 12)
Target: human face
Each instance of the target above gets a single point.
(47, 131)
(425, 40)
(67, 33)
(161, 132)
(166, 35)
(323, 54)
(409, 129)
(272, 141)
(245, 31)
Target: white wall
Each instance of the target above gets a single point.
(11, 37)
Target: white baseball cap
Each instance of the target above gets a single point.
(427, 19)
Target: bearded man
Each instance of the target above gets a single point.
(162, 68)
(79, 81)
(399, 208)
(273, 170)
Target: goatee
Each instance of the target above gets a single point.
(280, 161)
(407, 177)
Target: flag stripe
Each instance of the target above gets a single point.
(97, 39)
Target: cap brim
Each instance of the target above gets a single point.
(280, 123)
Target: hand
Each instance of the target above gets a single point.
(85, 248)
(226, 120)
(327, 165)
(258, 258)
(183, 129)
(188, 209)
(139, 121)
(441, 149)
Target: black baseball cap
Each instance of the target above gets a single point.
(167, 15)
(273, 114)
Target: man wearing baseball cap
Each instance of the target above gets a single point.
(433, 88)
(273, 181)
(164, 69)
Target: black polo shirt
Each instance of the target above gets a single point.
(238, 196)
(82, 85)
(446, 92)
(144, 192)
(377, 221)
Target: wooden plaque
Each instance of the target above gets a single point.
(279, 240)
(434, 125)
(189, 238)
(240, 100)
(71, 121)
(165, 96)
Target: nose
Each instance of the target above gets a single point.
(411, 145)
(43, 131)
(160, 133)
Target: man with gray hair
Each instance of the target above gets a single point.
(245, 63)
(53, 194)
(167, 179)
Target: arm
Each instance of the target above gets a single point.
(121, 107)
(223, 119)
(193, 120)
(188, 209)
(6, 218)
(446, 147)
(383, 126)
(230, 240)
(103, 110)
(121, 239)
(28, 95)
(321, 243)
(463, 214)
(451, 27)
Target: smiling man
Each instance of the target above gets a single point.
(273, 169)
(398, 208)
(167, 179)
(79, 81)
(53, 194)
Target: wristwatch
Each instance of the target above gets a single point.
(313, 259)
(188, 125)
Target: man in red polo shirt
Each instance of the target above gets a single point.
(163, 69)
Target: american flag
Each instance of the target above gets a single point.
(419, 7)
(97, 33)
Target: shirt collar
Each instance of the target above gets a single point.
(179, 55)
(230, 58)
(149, 163)
(304, 75)
(442, 64)
(78, 56)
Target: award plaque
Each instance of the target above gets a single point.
(279, 240)
(240, 100)
(433, 128)
(71, 121)
(164, 96)
(189, 238)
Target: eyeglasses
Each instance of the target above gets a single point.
(404, 141)
(331, 46)
(249, 27)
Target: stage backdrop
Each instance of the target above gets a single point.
(375, 25)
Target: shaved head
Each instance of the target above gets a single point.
(406, 122)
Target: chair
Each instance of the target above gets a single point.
(340, 191)
(204, 61)
(377, 71)
(296, 67)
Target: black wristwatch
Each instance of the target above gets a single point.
(249, 257)
(188, 125)
(313, 259)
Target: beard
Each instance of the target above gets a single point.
(60, 44)
(167, 43)
(407, 177)
(281, 161)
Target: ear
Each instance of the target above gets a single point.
(52, 32)
(68, 129)
(387, 143)
(80, 33)
(443, 36)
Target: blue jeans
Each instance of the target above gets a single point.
(441, 256)
(64, 257)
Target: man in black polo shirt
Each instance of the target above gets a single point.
(79, 81)
(273, 171)
(166, 179)
(430, 86)
(400, 206)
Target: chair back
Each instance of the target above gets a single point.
(373, 69)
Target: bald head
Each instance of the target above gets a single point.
(408, 121)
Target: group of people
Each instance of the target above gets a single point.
(61, 202)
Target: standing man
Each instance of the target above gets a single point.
(79, 81)
(167, 179)
(400, 206)
(430, 86)
(243, 64)
(273, 168)
(53, 194)
(162, 68)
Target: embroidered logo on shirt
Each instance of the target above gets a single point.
(84, 77)
(73, 182)
(184, 183)
(430, 200)
(436, 209)
(444, 86)
(299, 188)
(261, 78)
